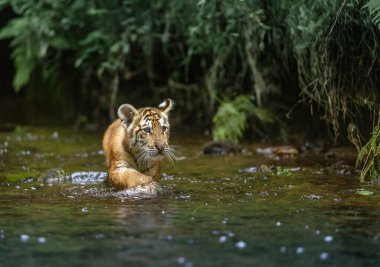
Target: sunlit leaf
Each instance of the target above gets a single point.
(364, 192)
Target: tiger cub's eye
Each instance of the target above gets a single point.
(146, 130)
(164, 128)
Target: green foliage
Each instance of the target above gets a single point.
(281, 171)
(28, 47)
(336, 47)
(229, 123)
(230, 120)
(110, 40)
(97, 33)
(369, 156)
(373, 7)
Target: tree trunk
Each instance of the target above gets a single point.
(114, 88)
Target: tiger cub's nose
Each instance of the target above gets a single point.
(160, 147)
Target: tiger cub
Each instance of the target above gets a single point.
(136, 143)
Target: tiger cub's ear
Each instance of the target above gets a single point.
(126, 113)
(166, 106)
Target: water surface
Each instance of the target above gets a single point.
(213, 211)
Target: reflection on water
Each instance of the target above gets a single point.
(207, 211)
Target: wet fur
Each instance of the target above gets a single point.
(134, 157)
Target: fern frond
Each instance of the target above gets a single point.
(369, 156)
(373, 6)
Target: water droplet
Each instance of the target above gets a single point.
(41, 240)
(328, 238)
(99, 236)
(85, 209)
(222, 239)
(231, 234)
(324, 256)
(55, 135)
(300, 250)
(283, 249)
(162, 212)
(181, 260)
(240, 245)
(215, 232)
(24, 238)
(278, 223)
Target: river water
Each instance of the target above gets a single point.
(211, 211)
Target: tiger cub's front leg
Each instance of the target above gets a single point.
(124, 177)
(155, 172)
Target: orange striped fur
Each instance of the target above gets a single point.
(135, 145)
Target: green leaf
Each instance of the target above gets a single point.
(24, 64)
(373, 7)
(13, 28)
(281, 171)
(3, 4)
(363, 192)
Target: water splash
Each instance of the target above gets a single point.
(142, 191)
(147, 191)
(86, 177)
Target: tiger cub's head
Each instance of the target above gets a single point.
(148, 130)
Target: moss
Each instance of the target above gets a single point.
(30, 151)
(17, 176)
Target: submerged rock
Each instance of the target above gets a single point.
(262, 168)
(277, 170)
(251, 170)
(221, 148)
(342, 167)
(52, 175)
(347, 153)
(282, 151)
